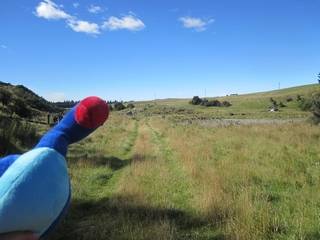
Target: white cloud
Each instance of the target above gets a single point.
(128, 22)
(55, 96)
(195, 23)
(95, 9)
(75, 4)
(84, 26)
(49, 10)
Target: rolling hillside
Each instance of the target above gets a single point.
(255, 105)
(22, 102)
(148, 175)
(153, 177)
(21, 111)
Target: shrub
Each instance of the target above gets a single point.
(305, 104)
(118, 106)
(226, 104)
(299, 98)
(16, 136)
(196, 100)
(316, 107)
(20, 108)
(209, 103)
(213, 103)
(289, 99)
(5, 97)
(274, 103)
(204, 102)
(281, 104)
(130, 105)
(311, 104)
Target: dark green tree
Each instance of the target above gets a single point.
(196, 100)
(118, 106)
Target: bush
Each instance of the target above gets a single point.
(226, 104)
(305, 104)
(289, 99)
(20, 108)
(299, 98)
(118, 106)
(16, 136)
(274, 103)
(5, 97)
(204, 102)
(213, 103)
(196, 100)
(316, 107)
(209, 103)
(313, 104)
(281, 104)
(130, 105)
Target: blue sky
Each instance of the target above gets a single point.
(134, 50)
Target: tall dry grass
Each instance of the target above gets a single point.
(254, 182)
(156, 179)
(16, 136)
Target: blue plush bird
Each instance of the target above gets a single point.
(35, 187)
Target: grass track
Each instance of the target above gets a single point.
(178, 187)
(156, 179)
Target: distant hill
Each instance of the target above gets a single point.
(253, 105)
(21, 101)
(304, 91)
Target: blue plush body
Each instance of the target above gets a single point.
(22, 185)
(35, 187)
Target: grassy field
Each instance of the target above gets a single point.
(249, 106)
(166, 170)
(149, 177)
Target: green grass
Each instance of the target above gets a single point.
(17, 136)
(177, 187)
(254, 105)
(154, 178)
